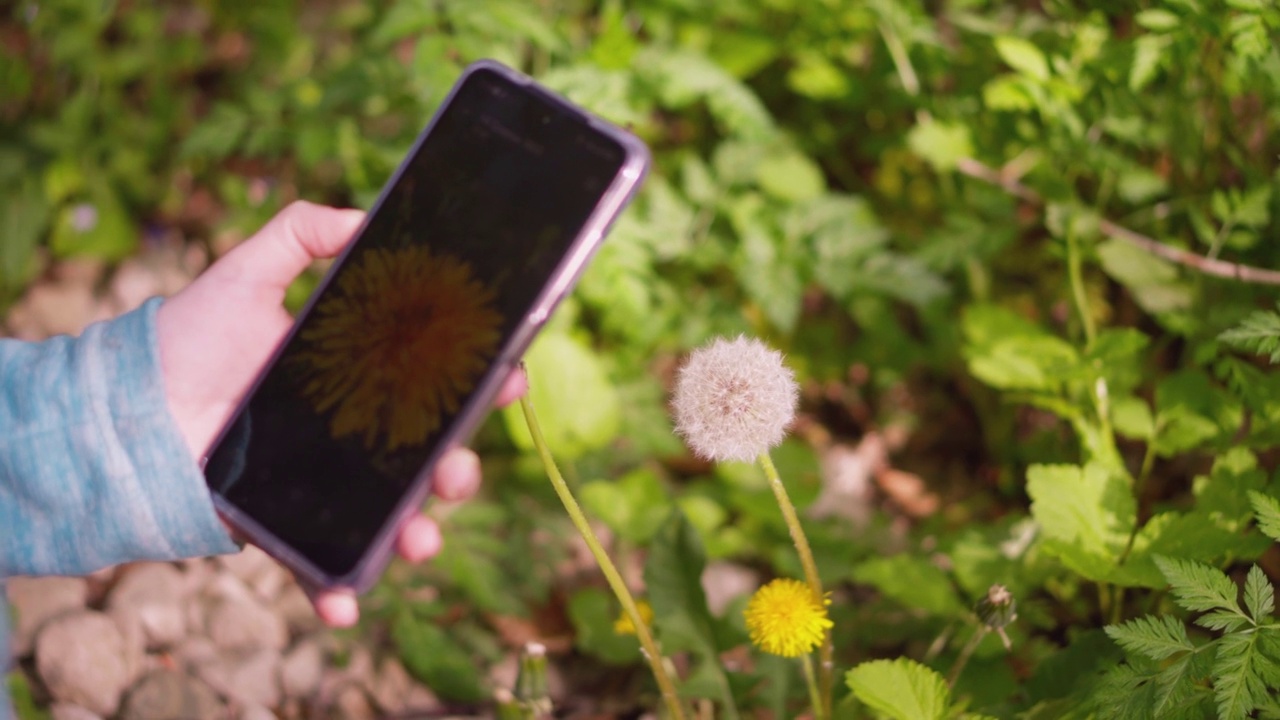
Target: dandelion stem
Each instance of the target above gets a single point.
(810, 574)
(815, 696)
(965, 653)
(651, 653)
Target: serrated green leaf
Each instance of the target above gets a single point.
(1198, 587)
(913, 581)
(1258, 333)
(1238, 676)
(1155, 636)
(1222, 621)
(900, 689)
(1259, 596)
(1267, 513)
(1085, 514)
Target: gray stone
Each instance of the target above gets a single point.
(301, 670)
(245, 677)
(293, 605)
(67, 711)
(396, 692)
(256, 712)
(82, 659)
(171, 695)
(256, 570)
(196, 651)
(244, 623)
(37, 600)
(150, 597)
(352, 703)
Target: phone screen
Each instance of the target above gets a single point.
(445, 271)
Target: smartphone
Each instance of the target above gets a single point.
(397, 356)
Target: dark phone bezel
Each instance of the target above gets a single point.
(619, 191)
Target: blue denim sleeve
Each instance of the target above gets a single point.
(93, 469)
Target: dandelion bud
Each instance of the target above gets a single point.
(997, 610)
(734, 399)
(531, 683)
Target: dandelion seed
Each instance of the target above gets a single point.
(784, 618)
(734, 399)
(624, 626)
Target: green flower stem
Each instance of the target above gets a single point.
(815, 696)
(811, 576)
(965, 653)
(651, 653)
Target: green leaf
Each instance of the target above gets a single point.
(593, 612)
(1259, 596)
(1267, 510)
(24, 214)
(633, 506)
(99, 226)
(1154, 282)
(437, 659)
(1258, 333)
(1238, 676)
(912, 581)
(814, 76)
(577, 404)
(673, 576)
(1148, 53)
(1156, 637)
(790, 176)
(1198, 587)
(218, 134)
(1131, 417)
(1023, 56)
(1158, 20)
(1085, 514)
(941, 144)
(900, 689)
(1007, 352)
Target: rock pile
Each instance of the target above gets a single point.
(231, 637)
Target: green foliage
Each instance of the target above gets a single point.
(673, 574)
(900, 689)
(1168, 674)
(1258, 333)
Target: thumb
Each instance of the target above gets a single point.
(290, 242)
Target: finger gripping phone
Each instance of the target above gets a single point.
(397, 356)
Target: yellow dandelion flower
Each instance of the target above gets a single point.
(784, 618)
(624, 626)
(400, 340)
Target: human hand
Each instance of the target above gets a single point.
(217, 334)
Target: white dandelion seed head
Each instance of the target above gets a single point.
(734, 399)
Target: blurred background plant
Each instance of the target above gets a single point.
(999, 243)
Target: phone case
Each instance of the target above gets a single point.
(620, 190)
